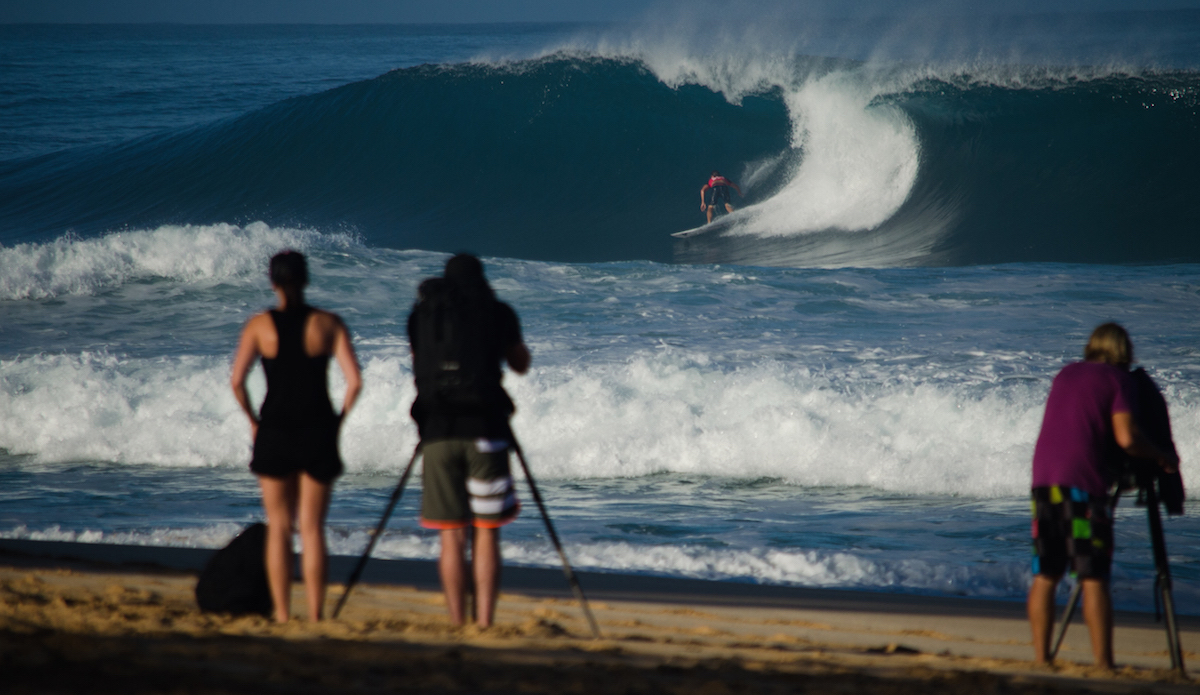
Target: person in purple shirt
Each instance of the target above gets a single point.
(1088, 426)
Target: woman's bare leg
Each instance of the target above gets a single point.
(314, 507)
(279, 502)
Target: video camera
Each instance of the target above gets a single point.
(1151, 482)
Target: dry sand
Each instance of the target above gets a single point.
(79, 626)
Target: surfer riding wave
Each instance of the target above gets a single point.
(717, 191)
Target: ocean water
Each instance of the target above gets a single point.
(838, 386)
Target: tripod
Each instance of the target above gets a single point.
(1163, 599)
(537, 496)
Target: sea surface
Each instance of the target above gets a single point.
(838, 386)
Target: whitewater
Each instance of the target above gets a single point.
(840, 388)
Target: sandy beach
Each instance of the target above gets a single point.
(70, 622)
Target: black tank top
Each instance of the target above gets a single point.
(297, 385)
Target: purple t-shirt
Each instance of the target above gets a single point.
(1076, 443)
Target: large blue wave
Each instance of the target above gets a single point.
(561, 159)
(1100, 171)
(584, 158)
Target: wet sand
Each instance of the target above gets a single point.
(83, 618)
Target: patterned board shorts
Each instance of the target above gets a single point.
(467, 482)
(1072, 529)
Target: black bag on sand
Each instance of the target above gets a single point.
(235, 578)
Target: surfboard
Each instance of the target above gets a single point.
(691, 232)
(718, 224)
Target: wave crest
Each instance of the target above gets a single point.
(72, 265)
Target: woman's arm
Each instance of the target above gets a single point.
(343, 352)
(243, 361)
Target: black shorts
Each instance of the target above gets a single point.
(718, 195)
(279, 453)
(1071, 529)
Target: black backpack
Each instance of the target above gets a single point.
(235, 578)
(456, 364)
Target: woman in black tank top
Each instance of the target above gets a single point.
(296, 432)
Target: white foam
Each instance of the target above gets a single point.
(812, 568)
(174, 411)
(655, 412)
(211, 536)
(859, 164)
(923, 573)
(100, 407)
(187, 253)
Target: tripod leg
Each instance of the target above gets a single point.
(571, 579)
(1162, 582)
(1068, 613)
(387, 513)
(1172, 631)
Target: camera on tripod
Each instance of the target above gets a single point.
(1151, 480)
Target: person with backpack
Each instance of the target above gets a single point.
(460, 333)
(296, 431)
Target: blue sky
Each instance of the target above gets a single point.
(420, 11)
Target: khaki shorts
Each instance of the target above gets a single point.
(467, 482)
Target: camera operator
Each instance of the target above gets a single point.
(1087, 428)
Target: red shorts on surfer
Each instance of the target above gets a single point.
(467, 482)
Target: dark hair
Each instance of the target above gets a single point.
(463, 267)
(289, 270)
(716, 173)
(465, 271)
(1109, 343)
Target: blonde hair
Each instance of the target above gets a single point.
(1109, 343)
